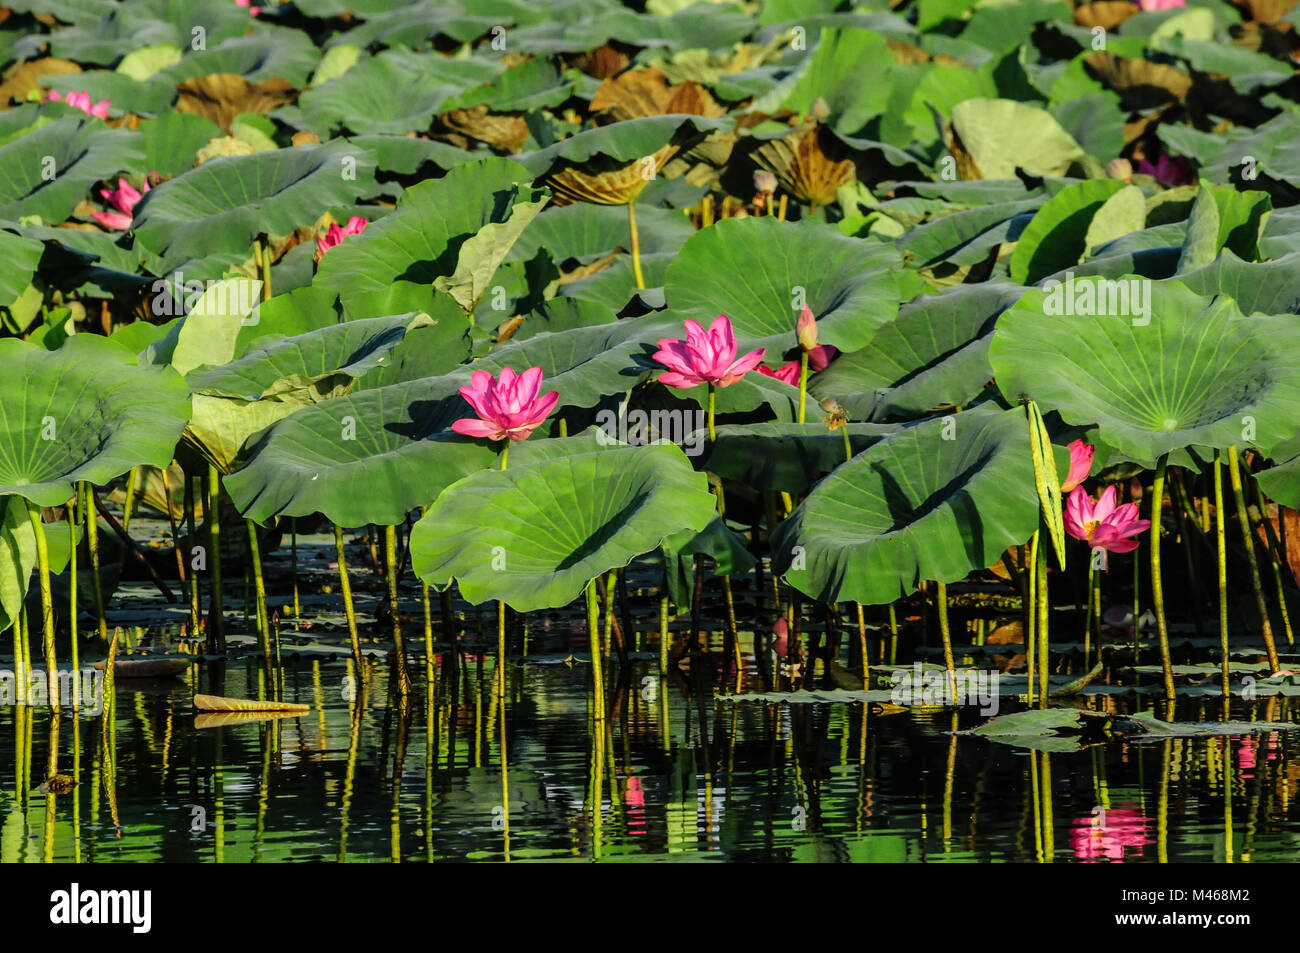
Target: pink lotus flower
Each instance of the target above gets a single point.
(123, 199)
(789, 373)
(705, 357)
(1167, 171)
(1152, 6)
(335, 235)
(781, 637)
(252, 10)
(820, 357)
(1080, 465)
(506, 408)
(1108, 833)
(81, 101)
(1103, 525)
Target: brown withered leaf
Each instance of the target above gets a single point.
(223, 96)
(646, 92)
(1107, 14)
(605, 181)
(602, 62)
(506, 131)
(21, 78)
(1141, 82)
(220, 703)
(1266, 11)
(807, 163)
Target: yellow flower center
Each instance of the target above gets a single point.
(1091, 527)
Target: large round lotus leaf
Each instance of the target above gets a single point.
(934, 353)
(48, 171)
(367, 457)
(84, 412)
(1266, 287)
(998, 136)
(623, 141)
(275, 53)
(279, 376)
(21, 256)
(1057, 236)
(935, 501)
(224, 204)
(786, 457)
(451, 232)
(1179, 370)
(362, 99)
(586, 232)
(535, 534)
(758, 271)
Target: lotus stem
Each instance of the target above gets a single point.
(1157, 583)
(47, 603)
(713, 436)
(893, 634)
(803, 385)
(784, 201)
(663, 631)
(132, 478)
(597, 672)
(1222, 539)
(1031, 612)
(862, 638)
(941, 600)
(345, 584)
(1276, 558)
(22, 657)
(399, 647)
(293, 568)
(1042, 604)
(1234, 473)
(72, 600)
(171, 520)
(217, 611)
(848, 446)
(636, 244)
(1094, 608)
(263, 261)
(92, 543)
(706, 211)
(263, 621)
(195, 610)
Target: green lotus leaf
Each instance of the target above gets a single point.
(934, 501)
(394, 441)
(1181, 370)
(1057, 236)
(562, 314)
(209, 333)
(1266, 287)
(944, 237)
(84, 412)
(624, 141)
(51, 169)
(226, 203)
(786, 457)
(103, 32)
(456, 230)
(757, 271)
(148, 98)
(172, 141)
(586, 231)
(725, 547)
(17, 557)
(934, 354)
(1224, 218)
(21, 257)
(270, 53)
(533, 535)
(1001, 135)
(380, 94)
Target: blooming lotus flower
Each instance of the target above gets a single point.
(334, 235)
(1107, 834)
(508, 408)
(81, 101)
(1080, 465)
(789, 373)
(1168, 171)
(705, 357)
(1152, 6)
(123, 199)
(1103, 525)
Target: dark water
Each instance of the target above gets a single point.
(753, 781)
(677, 772)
